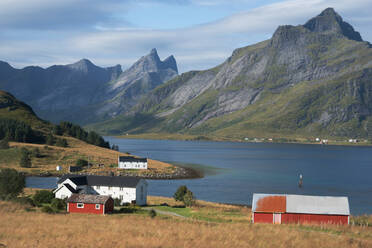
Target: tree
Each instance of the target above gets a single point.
(25, 161)
(188, 199)
(42, 197)
(50, 139)
(4, 144)
(11, 183)
(180, 193)
(58, 204)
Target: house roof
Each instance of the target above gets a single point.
(131, 159)
(281, 203)
(68, 187)
(93, 199)
(112, 181)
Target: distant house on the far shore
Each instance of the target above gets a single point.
(130, 162)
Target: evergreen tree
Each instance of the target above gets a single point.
(25, 161)
(50, 139)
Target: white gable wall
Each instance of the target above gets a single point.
(141, 193)
(63, 193)
(133, 165)
(127, 195)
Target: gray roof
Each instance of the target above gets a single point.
(112, 181)
(131, 159)
(93, 199)
(331, 205)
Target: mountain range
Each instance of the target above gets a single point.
(83, 92)
(307, 80)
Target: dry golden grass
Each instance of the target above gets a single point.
(54, 155)
(34, 229)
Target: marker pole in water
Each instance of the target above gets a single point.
(300, 182)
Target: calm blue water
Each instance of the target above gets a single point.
(245, 168)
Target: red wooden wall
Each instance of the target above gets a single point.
(263, 218)
(88, 208)
(288, 218)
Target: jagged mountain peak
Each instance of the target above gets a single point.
(330, 21)
(83, 65)
(170, 62)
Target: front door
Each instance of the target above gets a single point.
(277, 218)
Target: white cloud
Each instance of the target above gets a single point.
(197, 47)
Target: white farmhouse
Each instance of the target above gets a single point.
(127, 189)
(128, 162)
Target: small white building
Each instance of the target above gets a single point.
(129, 162)
(127, 189)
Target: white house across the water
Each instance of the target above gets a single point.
(127, 189)
(129, 162)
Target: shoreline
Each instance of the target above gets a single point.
(177, 137)
(180, 173)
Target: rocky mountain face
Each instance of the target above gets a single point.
(83, 92)
(311, 79)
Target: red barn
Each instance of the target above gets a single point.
(91, 204)
(289, 209)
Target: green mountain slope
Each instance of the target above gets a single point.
(307, 80)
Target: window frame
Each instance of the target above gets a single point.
(80, 205)
(99, 206)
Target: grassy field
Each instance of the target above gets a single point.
(229, 226)
(51, 156)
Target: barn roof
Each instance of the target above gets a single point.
(131, 159)
(92, 199)
(112, 181)
(281, 203)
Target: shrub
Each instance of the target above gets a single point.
(117, 202)
(11, 183)
(81, 162)
(58, 204)
(25, 161)
(27, 201)
(180, 193)
(47, 209)
(36, 152)
(4, 144)
(61, 143)
(42, 197)
(188, 199)
(152, 213)
(50, 139)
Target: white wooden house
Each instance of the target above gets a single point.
(127, 189)
(129, 162)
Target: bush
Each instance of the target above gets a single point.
(25, 161)
(117, 202)
(61, 143)
(81, 162)
(47, 209)
(27, 201)
(152, 213)
(58, 204)
(188, 199)
(180, 193)
(4, 144)
(11, 183)
(42, 197)
(185, 195)
(50, 139)
(36, 152)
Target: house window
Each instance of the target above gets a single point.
(121, 188)
(121, 197)
(80, 205)
(98, 206)
(109, 188)
(98, 187)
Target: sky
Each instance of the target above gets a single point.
(199, 33)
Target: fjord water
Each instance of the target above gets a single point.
(241, 169)
(234, 171)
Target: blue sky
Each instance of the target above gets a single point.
(199, 33)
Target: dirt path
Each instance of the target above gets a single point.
(164, 212)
